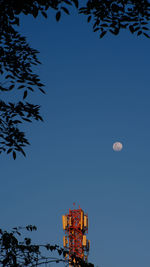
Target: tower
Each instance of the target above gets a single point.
(75, 225)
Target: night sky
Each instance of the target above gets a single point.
(97, 92)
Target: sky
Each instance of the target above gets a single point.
(97, 93)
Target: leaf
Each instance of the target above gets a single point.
(145, 28)
(65, 10)
(44, 14)
(47, 246)
(144, 23)
(111, 31)
(14, 155)
(9, 150)
(25, 94)
(11, 87)
(136, 29)
(139, 33)
(35, 11)
(26, 120)
(96, 23)
(17, 121)
(135, 24)
(76, 3)
(42, 90)
(131, 29)
(27, 241)
(58, 15)
(67, 2)
(40, 118)
(59, 251)
(34, 228)
(9, 76)
(18, 233)
(146, 35)
(22, 151)
(89, 18)
(102, 34)
(40, 84)
(30, 88)
(96, 29)
(21, 86)
(104, 25)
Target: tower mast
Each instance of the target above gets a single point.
(75, 225)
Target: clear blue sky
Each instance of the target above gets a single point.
(97, 93)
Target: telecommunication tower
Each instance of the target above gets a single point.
(75, 225)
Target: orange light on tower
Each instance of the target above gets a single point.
(75, 225)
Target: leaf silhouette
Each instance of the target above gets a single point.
(65, 10)
(14, 155)
(58, 15)
(25, 94)
(102, 34)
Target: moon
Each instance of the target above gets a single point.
(117, 146)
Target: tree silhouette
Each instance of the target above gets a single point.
(18, 58)
(16, 251)
(112, 16)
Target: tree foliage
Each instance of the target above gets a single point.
(16, 69)
(18, 58)
(18, 251)
(114, 15)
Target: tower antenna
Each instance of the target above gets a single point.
(75, 225)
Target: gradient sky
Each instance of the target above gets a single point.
(97, 93)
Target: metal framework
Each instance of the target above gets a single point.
(75, 225)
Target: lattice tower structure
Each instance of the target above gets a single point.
(75, 225)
